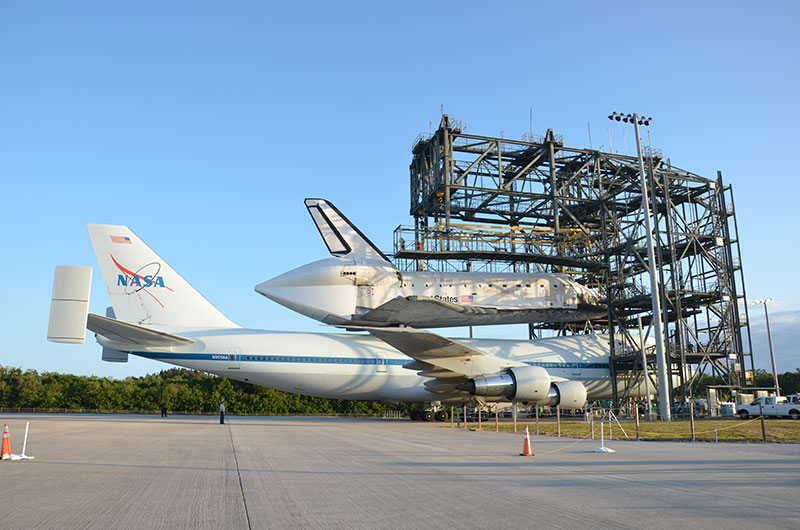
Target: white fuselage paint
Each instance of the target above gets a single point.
(349, 366)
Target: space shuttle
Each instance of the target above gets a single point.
(360, 286)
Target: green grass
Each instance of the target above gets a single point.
(728, 430)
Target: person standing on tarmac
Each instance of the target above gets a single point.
(163, 409)
(222, 412)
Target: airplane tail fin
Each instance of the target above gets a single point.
(340, 235)
(145, 290)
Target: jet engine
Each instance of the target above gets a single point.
(568, 394)
(528, 384)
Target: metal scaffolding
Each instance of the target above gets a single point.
(496, 204)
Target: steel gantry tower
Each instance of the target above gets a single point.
(485, 203)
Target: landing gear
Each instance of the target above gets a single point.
(430, 412)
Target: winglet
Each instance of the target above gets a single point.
(340, 235)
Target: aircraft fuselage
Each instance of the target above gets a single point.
(347, 366)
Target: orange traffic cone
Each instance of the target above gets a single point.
(6, 443)
(526, 446)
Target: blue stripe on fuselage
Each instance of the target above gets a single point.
(307, 359)
(313, 359)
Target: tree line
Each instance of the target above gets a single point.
(182, 390)
(197, 392)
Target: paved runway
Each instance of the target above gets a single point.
(190, 472)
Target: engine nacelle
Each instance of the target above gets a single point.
(532, 383)
(568, 394)
(528, 384)
(521, 383)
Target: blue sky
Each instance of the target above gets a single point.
(203, 125)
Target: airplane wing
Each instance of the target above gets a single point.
(135, 335)
(447, 361)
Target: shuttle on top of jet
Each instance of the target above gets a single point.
(157, 314)
(359, 286)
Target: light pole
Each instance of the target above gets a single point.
(663, 372)
(765, 301)
(644, 371)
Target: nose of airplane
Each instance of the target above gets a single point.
(288, 286)
(275, 289)
(265, 288)
(316, 290)
(318, 273)
(287, 279)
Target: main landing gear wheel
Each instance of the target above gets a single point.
(427, 415)
(415, 415)
(442, 415)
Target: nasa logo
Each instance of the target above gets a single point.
(146, 277)
(140, 281)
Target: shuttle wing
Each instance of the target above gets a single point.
(426, 312)
(135, 335)
(413, 310)
(449, 362)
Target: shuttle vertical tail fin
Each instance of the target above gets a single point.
(143, 288)
(340, 235)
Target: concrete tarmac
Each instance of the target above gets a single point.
(126, 472)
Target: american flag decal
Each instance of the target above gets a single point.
(467, 298)
(121, 239)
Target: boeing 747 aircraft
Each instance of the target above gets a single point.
(156, 314)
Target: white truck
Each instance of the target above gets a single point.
(772, 406)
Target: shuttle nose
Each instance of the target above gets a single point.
(265, 288)
(279, 287)
(316, 290)
(287, 286)
(278, 292)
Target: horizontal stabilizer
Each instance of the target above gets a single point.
(125, 332)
